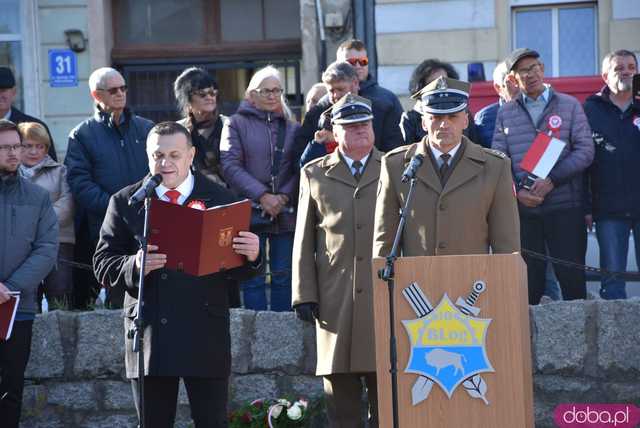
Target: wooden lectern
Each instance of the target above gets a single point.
(472, 345)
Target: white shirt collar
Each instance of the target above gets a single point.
(437, 153)
(185, 188)
(8, 115)
(350, 161)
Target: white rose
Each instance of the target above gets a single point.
(294, 412)
(275, 411)
(284, 402)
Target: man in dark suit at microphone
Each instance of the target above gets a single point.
(186, 318)
(464, 200)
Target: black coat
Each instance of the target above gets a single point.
(386, 121)
(186, 317)
(19, 117)
(613, 174)
(103, 158)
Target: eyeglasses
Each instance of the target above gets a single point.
(363, 61)
(264, 92)
(204, 92)
(529, 70)
(113, 91)
(13, 147)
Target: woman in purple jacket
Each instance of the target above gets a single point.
(252, 167)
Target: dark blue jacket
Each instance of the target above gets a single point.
(387, 111)
(614, 173)
(485, 121)
(102, 159)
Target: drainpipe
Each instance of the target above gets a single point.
(322, 60)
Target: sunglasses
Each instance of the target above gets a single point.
(113, 91)
(204, 92)
(360, 61)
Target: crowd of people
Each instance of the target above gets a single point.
(326, 195)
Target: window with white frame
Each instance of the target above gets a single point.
(10, 41)
(564, 35)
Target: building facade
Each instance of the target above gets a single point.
(151, 41)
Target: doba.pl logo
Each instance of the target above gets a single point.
(597, 415)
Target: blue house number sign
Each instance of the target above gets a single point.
(63, 68)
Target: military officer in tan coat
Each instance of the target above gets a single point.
(332, 282)
(464, 201)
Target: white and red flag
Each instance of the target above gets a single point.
(542, 155)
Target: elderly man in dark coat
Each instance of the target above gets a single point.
(106, 152)
(186, 318)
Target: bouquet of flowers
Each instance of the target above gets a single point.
(269, 413)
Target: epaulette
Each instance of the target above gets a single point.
(314, 161)
(401, 149)
(496, 153)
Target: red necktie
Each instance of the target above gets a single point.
(173, 196)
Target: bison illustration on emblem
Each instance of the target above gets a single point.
(439, 358)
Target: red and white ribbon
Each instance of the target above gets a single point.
(555, 122)
(197, 205)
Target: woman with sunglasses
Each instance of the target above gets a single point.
(256, 154)
(196, 92)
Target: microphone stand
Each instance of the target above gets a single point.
(137, 331)
(387, 274)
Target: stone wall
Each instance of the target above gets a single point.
(585, 351)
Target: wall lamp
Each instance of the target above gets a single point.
(75, 40)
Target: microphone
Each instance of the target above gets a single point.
(145, 191)
(410, 172)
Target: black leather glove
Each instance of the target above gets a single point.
(307, 311)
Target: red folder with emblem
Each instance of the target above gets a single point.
(198, 241)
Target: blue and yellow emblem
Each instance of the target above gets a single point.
(448, 346)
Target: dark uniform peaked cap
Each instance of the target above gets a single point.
(444, 96)
(351, 109)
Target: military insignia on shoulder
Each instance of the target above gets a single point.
(448, 344)
(497, 153)
(397, 150)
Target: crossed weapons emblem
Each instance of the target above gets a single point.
(447, 344)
